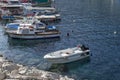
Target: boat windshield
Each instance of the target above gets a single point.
(12, 26)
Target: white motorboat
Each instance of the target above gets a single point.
(32, 10)
(68, 55)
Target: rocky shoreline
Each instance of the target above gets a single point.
(12, 71)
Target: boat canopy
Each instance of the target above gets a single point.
(51, 27)
(13, 26)
(40, 8)
(7, 17)
(40, 1)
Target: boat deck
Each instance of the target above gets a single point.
(64, 52)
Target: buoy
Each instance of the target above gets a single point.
(73, 20)
(68, 34)
(115, 32)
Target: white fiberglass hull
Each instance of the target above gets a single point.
(33, 36)
(49, 17)
(67, 55)
(67, 59)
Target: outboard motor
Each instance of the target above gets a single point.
(84, 48)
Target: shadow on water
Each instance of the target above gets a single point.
(19, 42)
(65, 68)
(51, 22)
(4, 22)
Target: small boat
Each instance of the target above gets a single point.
(13, 6)
(68, 55)
(48, 16)
(34, 31)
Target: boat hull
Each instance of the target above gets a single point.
(67, 59)
(49, 18)
(33, 36)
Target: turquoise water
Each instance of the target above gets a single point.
(95, 23)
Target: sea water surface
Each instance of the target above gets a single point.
(95, 23)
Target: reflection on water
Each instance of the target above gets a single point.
(19, 42)
(63, 68)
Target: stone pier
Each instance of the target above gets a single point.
(12, 71)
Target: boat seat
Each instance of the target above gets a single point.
(67, 53)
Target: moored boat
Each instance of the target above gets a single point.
(34, 31)
(68, 55)
(48, 17)
(14, 7)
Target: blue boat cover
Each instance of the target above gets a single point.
(13, 26)
(51, 27)
(8, 17)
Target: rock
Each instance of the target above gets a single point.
(14, 72)
(1, 55)
(16, 76)
(52, 76)
(23, 70)
(11, 79)
(1, 64)
(34, 72)
(65, 78)
(9, 66)
(2, 75)
(2, 59)
(20, 65)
